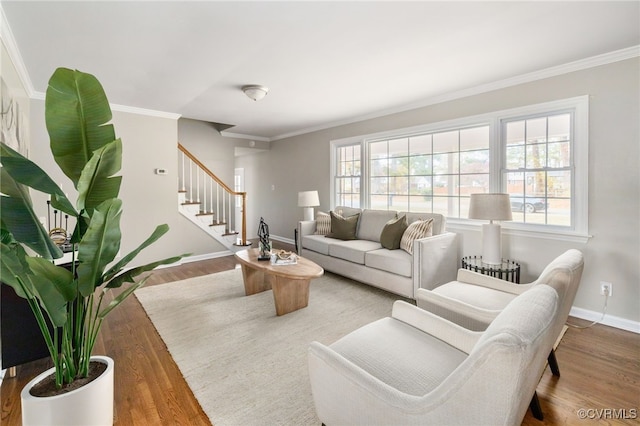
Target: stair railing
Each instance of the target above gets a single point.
(191, 172)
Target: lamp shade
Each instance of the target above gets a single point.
(308, 199)
(490, 207)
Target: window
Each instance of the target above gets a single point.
(537, 154)
(347, 176)
(538, 168)
(429, 172)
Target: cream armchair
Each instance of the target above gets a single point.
(416, 368)
(475, 300)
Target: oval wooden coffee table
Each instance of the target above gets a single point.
(290, 283)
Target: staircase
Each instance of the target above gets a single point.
(209, 203)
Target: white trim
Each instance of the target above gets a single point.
(609, 320)
(124, 108)
(9, 42)
(282, 239)
(582, 64)
(242, 136)
(197, 258)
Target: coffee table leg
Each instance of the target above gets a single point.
(254, 281)
(290, 294)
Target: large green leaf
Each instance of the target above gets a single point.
(95, 184)
(76, 113)
(19, 218)
(99, 245)
(130, 274)
(13, 263)
(55, 288)
(155, 235)
(26, 172)
(49, 284)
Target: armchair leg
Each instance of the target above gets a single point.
(553, 363)
(534, 405)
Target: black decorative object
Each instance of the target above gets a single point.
(265, 242)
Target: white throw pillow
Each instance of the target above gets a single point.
(415, 231)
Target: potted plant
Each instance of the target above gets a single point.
(72, 302)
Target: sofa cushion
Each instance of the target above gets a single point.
(415, 231)
(323, 223)
(392, 233)
(317, 243)
(372, 222)
(353, 251)
(439, 221)
(343, 228)
(397, 262)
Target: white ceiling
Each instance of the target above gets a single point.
(325, 63)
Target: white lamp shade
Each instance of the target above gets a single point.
(308, 199)
(490, 207)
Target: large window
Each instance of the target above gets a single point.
(537, 154)
(429, 172)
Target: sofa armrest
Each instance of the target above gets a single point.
(435, 260)
(447, 331)
(305, 227)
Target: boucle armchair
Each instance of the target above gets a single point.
(415, 368)
(475, 300)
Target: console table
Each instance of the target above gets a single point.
(508, 270)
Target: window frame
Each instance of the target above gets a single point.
(579, 106)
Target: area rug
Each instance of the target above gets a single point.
(245, 365)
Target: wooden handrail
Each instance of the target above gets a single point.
(224, 186)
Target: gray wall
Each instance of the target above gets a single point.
(148, 199)
(612, 254)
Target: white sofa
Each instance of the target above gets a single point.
(434, 260)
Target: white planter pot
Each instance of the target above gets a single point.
(91, 404)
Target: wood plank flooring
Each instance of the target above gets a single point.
(600, 370)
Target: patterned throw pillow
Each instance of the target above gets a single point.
(415, 231)
(323, 223)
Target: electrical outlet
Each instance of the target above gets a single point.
(606, 288)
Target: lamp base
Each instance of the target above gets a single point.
(308, 213)
(491, 244)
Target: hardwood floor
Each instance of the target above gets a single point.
(600, 370)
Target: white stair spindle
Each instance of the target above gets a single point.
(211, 198)
(182, 188)
(190, 180)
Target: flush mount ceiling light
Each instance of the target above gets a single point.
(255, 92)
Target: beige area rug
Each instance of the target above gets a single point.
(245, 365)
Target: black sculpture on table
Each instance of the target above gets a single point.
(265, 243)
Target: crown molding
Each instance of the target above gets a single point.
(582, 64)
(128, 109)
(9, 41)
(242, 136)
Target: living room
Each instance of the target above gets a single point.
(276, 169)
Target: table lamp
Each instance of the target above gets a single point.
(490, 207)
(308, 200)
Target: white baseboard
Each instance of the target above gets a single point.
(282, 239)
(610, 320)
(198, 257)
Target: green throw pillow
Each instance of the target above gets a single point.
(343, 228)
(392, 233)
